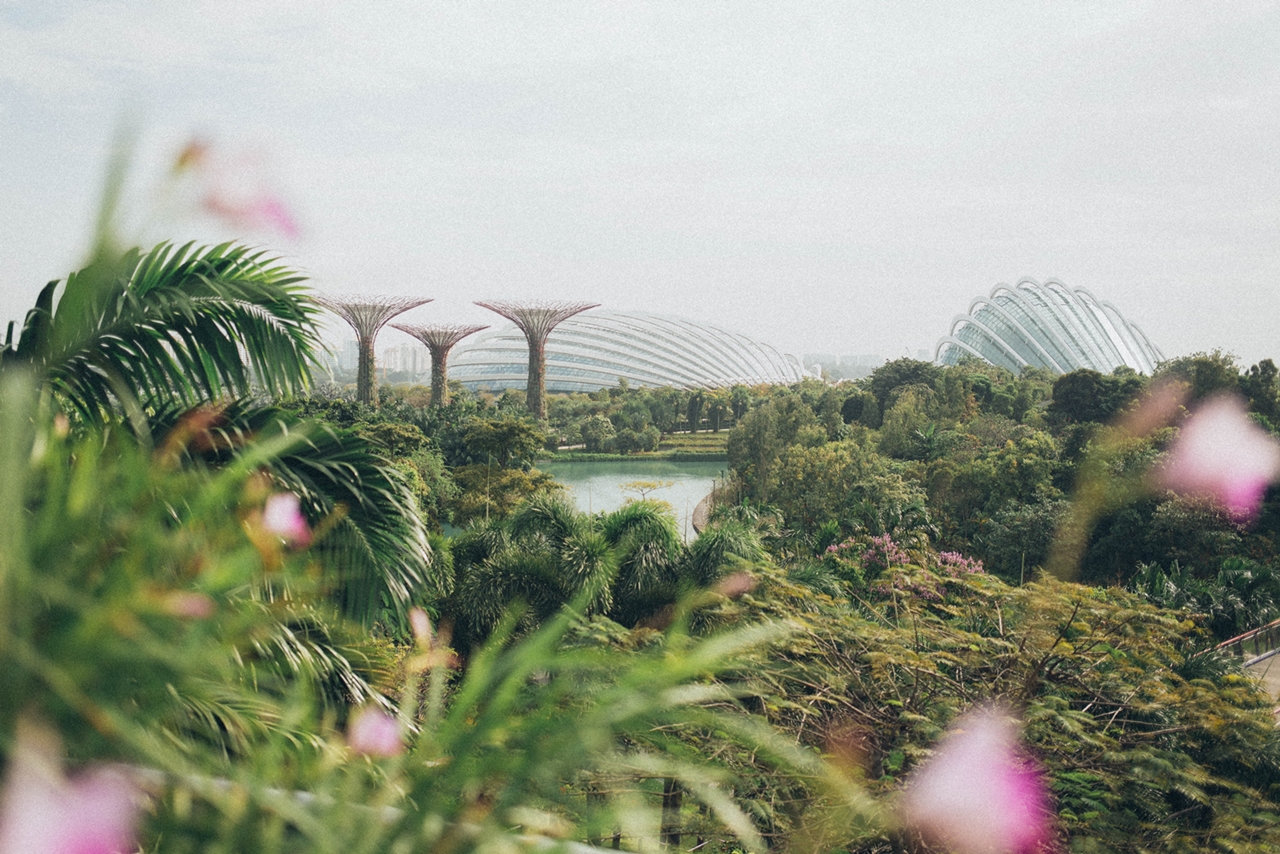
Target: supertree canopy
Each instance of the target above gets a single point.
(439, 341)
(367, 314)
(536, 320)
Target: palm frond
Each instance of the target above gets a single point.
(376, 545)
(176, 325)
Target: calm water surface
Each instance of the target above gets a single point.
(598, 486)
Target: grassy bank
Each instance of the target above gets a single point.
(672, 455)
(677, 447)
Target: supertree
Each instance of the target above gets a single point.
(367, 315)
(439, 340)
(536, 320)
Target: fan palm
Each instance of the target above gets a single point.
(628, 565)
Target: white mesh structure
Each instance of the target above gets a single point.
(1047, 326)
(593, 350)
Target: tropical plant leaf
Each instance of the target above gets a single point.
(175, 325)
(375, 542)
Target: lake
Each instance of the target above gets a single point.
(597, 487)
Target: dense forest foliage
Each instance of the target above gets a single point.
(969, 458)
(896, 530)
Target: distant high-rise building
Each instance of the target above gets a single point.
(349, 355)
(406, 358)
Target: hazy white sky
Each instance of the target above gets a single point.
(824, 176)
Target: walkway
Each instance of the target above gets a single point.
(1260, 651)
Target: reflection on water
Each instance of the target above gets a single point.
(597, 487)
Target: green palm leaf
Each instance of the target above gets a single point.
(377, 544)
(176, 325)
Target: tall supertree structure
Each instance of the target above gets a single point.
(439, 340)
(367, 315)
(536, 320)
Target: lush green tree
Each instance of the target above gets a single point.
(394, 439)
(855, 405)
(810, 486)
(739, 400)
(598, 433)
(1261, 386)
(760, 436)
(1085, 395)
(1015, 543)
(717, 406)
(509, 440)
(693, 409)
(1205, 374)
(489, 491)
(433, 485)
(901, 372)
(910, 413)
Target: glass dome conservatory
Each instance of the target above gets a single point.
(1047, 326)
(593, 350)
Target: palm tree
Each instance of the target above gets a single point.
(376, 543)
(650, 557)
(148, 337)
(629, 565)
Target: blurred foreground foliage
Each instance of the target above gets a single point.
(152, 618)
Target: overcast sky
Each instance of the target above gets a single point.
(824, 176)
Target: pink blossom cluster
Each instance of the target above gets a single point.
(235, 191)
(956, 565)
(282, 516)
(1220, 453)
(375, 732)
(884, 553)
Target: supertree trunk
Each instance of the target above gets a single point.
(439, 382)
(536, 388)
(536, 320)
(367, 374)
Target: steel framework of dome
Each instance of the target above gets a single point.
(1047, 326)
(593, 351)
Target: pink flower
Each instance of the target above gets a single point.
(282, 516)
(190, 605)
(374, 732)
(258, 213)
(1221, 454)
(235, 188)
(977, 794)
(735, 585)
(41, 812)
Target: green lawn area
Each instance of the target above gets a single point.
(705, 442)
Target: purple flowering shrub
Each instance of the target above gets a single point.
(882, 566)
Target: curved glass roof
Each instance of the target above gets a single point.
(1047, 326)
(593, 350)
